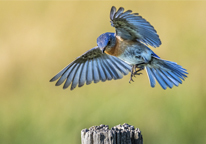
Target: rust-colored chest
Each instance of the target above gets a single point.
(119, 47)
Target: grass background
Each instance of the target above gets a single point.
(37, 39)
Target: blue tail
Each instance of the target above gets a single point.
(166, 73)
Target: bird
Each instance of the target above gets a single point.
(120, 53)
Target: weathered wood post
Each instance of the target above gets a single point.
(120, 134)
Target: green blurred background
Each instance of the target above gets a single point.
(38, 39)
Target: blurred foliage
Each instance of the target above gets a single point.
(37, 39)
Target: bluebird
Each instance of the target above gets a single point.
(119, 53)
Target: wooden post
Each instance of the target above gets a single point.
(120, 134)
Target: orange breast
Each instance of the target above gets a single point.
(119, 47)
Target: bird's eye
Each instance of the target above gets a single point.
(108, 43)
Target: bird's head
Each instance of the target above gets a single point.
(106, 41)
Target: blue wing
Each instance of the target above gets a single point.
(91, 66)
(132, 26)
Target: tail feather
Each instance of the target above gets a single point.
(151, 77)
(170, 78)
(167, 81)
(159, 78)
(175, 77)
(166, 73)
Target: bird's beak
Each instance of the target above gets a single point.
(103, 49)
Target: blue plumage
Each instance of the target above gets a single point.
(103, 40)
(165, 72)
(122, 52)
(133, 27)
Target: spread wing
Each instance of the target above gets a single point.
(132, 26)
(91, 66)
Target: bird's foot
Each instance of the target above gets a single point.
(131, 79)
(135, 72)
(132, 73)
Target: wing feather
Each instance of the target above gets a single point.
(101, 71)
(118, 74)
(70, 76)
(125, 13)
(111, 69)
(131, 26)
(104, 65)
(65, 75)
(82, 79)
(77, 76)
(120, 10)
(95, 71)
(91, 66)
(89, 77)
(119, 66)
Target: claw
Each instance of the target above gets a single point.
(131, 79)
(135, 72)
(132, 73)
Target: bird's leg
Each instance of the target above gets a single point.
(141, 67)
(135, 72)
(132, 73)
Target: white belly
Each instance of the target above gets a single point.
(135, 56)
(129, 59)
